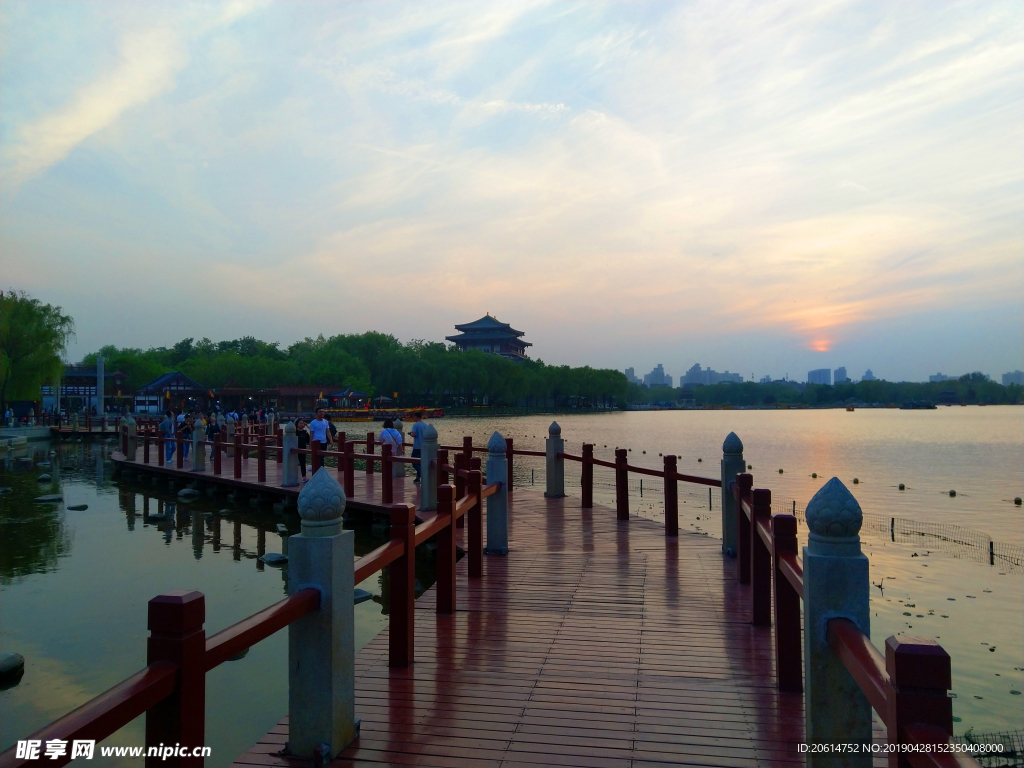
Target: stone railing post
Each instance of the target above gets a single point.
(229, 435)
(733, 464)
(428, 469)
(554, 465)
(321, 645)
(290, 464)
(497, 503)
(836, 585)
(74, 421)
(398, 468)
(198, 448)
(133, 437)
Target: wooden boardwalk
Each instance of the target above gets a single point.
(593, 643)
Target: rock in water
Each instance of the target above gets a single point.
(274, 558)
(12, 667)
(44, 478)
(224, 512)
(48, 498)
(42, 464)
(187, 493)
(78, 507)
(5, 490)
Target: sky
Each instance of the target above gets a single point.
(762, 187)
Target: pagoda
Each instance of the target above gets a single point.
(488, 334)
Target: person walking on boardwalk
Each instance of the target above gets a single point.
(212, 430)
(303, 436)
(320, 430)
(167, 427)
(391, 436)
(417, 430)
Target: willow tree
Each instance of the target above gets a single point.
(33, 339)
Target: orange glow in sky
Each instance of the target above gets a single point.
(821, 345)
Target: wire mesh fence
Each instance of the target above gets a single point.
(1012, 743)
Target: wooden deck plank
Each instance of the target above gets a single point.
(594, 643)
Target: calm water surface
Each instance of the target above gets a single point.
(75, 584)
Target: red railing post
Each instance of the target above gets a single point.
(587, 477)
(461, 465)
(280, 445)
(446, 551)
(671, 498)
(744, 482)
(88, 423)
(218, 444)
(621, 485)
(402, 581)
(238, 456)
(760, 560)
(261, 459)
(369, 449)
(442, 460)
(467, 448)
(339, 444)
(179, 444)
(317, 460)
(387, 486)
(474, 528)
(350, 469)
(509, 457)
(124, 441)
(788, 627)
(176, 634)
(145, 446)
(916, 692)
(161, 449)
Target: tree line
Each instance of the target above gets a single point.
(970, 388)
(420, 372)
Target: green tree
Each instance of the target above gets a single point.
(33, 340)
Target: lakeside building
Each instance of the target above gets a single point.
(172, 390)
(78, 390)
(658, 377)
(937, 377)
(709, 377)
(820, 376)
(488, 334)
(1014, 377)
(839, 376)
(868, 376)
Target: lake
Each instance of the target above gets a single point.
(75, 584)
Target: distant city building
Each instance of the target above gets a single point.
(766, 379)
(488, 334)
(935, 378)
(820, 376)
(868, 375)
(631, 377)
(708, 377)
(839, 376)
(1016, 377)
(658, 377)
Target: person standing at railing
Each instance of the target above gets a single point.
(416, 430)
(320, 430)
(212, 430)
(186, 434)
(390, 436)
(302, 434)
(167, 427)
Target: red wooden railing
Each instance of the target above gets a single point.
(907, 687)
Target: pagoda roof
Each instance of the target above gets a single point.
(486, 336)
(173, 380)
(488, 323)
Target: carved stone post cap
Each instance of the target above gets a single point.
(288, 428)
(399, 425)
(321, 505)
(833, 512)
(554, 430)
(496, 444)
(129, 420)
(732, 446)
(430, 433)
